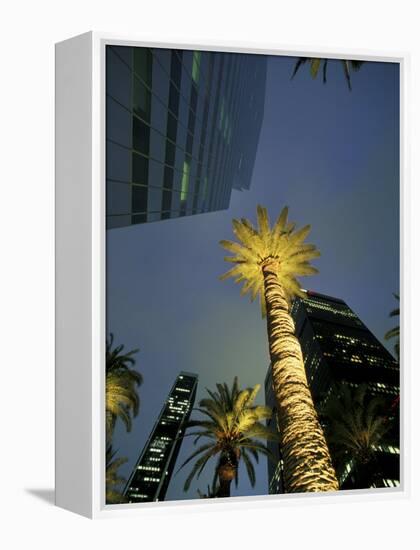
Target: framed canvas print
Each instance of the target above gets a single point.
(228, 275)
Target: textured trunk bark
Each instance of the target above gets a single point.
(307, 461)
(224, 487)
(227, 469)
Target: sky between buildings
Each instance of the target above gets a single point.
(329, 154)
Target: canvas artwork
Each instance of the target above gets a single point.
(252, 275)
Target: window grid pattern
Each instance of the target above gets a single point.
(170, 150)
(153, 470)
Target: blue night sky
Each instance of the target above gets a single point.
(329, 154)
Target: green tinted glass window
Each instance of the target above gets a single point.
(196, 66)
(185, 180)
(143, 64)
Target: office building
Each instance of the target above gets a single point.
(337, 347)
(182, 129)
(153, 470)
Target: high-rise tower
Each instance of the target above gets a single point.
(182, 129)
(153, 470)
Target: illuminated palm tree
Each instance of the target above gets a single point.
(268, 260)
(121, 400)
(355, 428)
(395, 332)
(234, 430)
(113, 479)
(315, 64)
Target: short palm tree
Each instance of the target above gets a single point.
(395, 332)
(268, 260)
(315, 64)
(234, 430)
(355, 427)
(122, 400)
(113, 479)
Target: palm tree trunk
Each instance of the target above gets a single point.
(226, 471)
(224, 488)
(307, 461)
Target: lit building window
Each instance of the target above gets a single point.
(149, 477)
(391, 482)
(185, 180)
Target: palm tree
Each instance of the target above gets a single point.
(355, 427)
(268, 261)
(395, 332)
(122, 400)
(315, 65)
(113, 479)
(234, 431)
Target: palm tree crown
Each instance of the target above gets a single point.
(113, 479)
(280, 244)
(122, 400)
(315, 65)
(355, 425)
(234, 430)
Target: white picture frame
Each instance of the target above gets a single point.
(80, 275)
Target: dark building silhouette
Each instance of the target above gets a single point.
(338, 348)
(182, 129)
(153, 470)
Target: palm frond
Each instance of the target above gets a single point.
(299, 62)
(113, 480)
(314, 67)
(355, 423)
(315, 64)
(198, 468)
(121, 399)
(196, 453)
(249, 468)
(281, 244)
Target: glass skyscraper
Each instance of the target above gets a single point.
(182, 129)
(152, 473)
(337, 347)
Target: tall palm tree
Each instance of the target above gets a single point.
(395, 332)
(315, 64)
(121, 400)
(234, 430)
(355, 427)
(268, 261)
(113, 479)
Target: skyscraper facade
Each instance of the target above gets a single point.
(152, 473)
(338, 348)
(182, 129)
